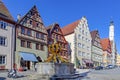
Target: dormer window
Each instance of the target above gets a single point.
(37, 24)
(30, 22)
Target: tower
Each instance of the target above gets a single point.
(111, 37)
(111, 31)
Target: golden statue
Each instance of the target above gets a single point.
(55, 49)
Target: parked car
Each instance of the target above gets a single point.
(99, 68)
(110, 67)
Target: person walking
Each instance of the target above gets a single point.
(35, 66)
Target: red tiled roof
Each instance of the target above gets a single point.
(105, 43)
(4, 11)
(70, 28)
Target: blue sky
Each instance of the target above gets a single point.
(99, 13)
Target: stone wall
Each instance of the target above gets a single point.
(55, 68)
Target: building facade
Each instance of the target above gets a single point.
(106, 47)
(55, 33)
(78, 36)
(31, 40)
(97, 52)
(7, 32)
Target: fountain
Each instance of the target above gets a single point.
(55, 67)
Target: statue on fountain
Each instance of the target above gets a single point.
(55, 56)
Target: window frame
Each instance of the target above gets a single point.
(3, 25)
(29, 32)
(22, 30)
(23, 43)
(3, 41)
(29, 44)
(2, 60)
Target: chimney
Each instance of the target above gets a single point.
(18, 17)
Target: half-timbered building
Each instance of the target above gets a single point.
(55, 33)
(96, 53)
(31, 40)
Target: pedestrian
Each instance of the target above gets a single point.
(35, 67)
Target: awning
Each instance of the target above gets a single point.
(87, 61)
(28, 56)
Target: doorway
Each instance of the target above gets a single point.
(28, 65)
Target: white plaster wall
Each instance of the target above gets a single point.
(70, 39)
(83, 26)
(8, 49)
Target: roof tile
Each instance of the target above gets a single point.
(106, 46)
(4, 11)
(70, 28)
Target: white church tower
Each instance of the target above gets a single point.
(111, 37)
(111, 31)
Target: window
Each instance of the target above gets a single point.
(22, 30)
(88, 55)
(83, 54)
(42, 36)
(79, 53)
(2, 59)
(22, 43)
(83, 25)
(79, 45)
(37, 35)
(82, 31)
(83, 46)
(28, 44)
(42, 47)
(2, 41)
(79, 36)
(82, 38)
(37, 46)
(3, 25)
(29, 32)
(30, 22)
(37, 24)
(87, 47)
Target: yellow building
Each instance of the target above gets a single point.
(118, 60)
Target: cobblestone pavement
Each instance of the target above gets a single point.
(111, 74)
(26, 75)
(21, 75)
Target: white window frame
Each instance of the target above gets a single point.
(2, 59)
(3, 41)
(4, 25)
